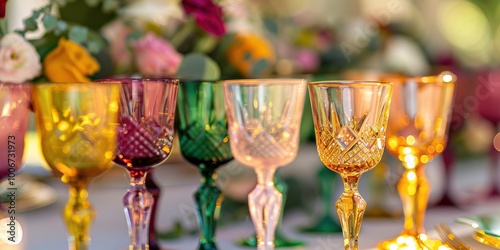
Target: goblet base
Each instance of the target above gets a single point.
(325, 224)
(207, 246)
(279, 241)
(405, 241)
(446, 201)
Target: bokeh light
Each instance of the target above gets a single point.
(496, 142)
(466, 28)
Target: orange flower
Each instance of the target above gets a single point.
(251, 55)
(69, 62)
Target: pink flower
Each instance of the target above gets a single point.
(307, 59)
(19, 60)
(207, 15)
(155, 57)
(116, 33)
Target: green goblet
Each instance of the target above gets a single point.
(204, 142)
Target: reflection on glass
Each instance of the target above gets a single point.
(78, 137)
(264, 118)
(144, 140)
(417, 132)
(350, 120)
(204, 141)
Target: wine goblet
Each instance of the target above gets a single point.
(264, 118)
(14, 104)
(77, 127)
(417, 132)
(204, 142)
(144, 140)
(350, 120)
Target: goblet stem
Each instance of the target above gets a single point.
(208, 199)
(154, 189)
(350, 208)
(413, 189)
(138, 203)
(78, 215)
(264, 203)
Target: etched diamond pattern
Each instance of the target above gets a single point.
(205, 146)
(134, 140)
(349, 147)
(346, 138)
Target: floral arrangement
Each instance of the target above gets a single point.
(199, 39)
(62, 54)
(203, 39)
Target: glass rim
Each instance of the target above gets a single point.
(445, 77)
(126, 80)
(264, 81)
(82, 84)
(348, 83)
(12, 84)
(432, 79)
(195, 81)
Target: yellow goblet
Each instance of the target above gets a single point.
(417, 132)
(350, 120)
(77, 126)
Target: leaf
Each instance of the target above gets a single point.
(92, 3)
(78, 34)
(197, 66)
(30, 24)
(49, 21)
(260, 67)
(94, 47)
(110, 5)
(95, 43)
(61, 27)
(4, 28)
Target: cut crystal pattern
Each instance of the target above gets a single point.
(136, 141)
(346, 138)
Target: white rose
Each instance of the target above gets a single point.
(19, 60)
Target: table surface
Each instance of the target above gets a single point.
(44, 229)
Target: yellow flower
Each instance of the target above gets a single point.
(251, 55)
(69, 62)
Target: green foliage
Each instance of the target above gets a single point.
(45, 44)
(196, 66)
(56, 28)
(110, 5)
(3, 27)
(49, 22)
(30, 24)
(78, 34)
(92, 14)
